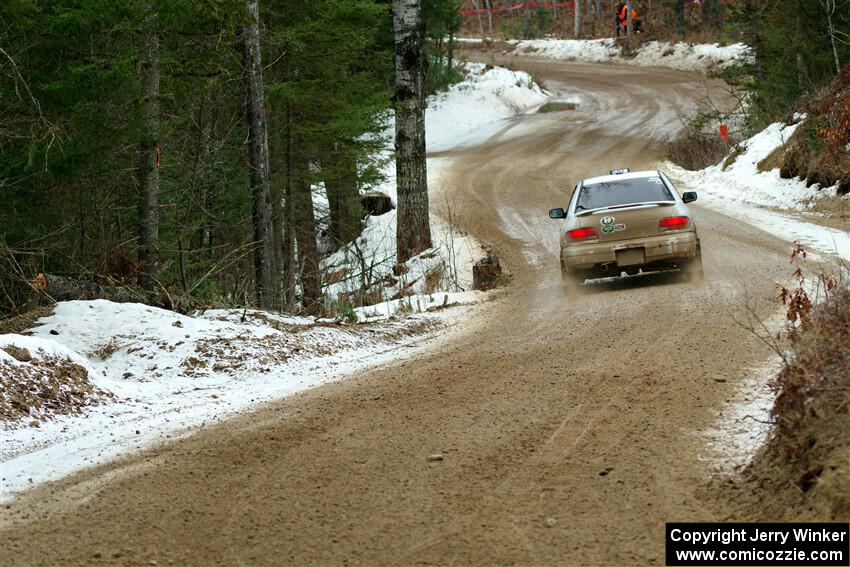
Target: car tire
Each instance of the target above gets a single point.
(692, 270)
(570, 284)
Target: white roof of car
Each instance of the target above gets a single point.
(631, 175)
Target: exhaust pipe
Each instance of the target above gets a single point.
(605, 267)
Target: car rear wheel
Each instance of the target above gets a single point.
(692, 270)
(570, 283)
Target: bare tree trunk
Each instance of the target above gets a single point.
(801, 62)
(413, 224)
(266, 274)
(629, 27)
(829, 5)
(526, 33)
(489, 5)
(712, 13)
(680, 18)
(343, 197)
(578, 19)
(288, 245)
(305, 235)
(477, 6)
(148, 150)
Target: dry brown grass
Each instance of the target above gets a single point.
(20, 323)
(43, 387)
(697, 151)
(773, 160)
(803, 472)
(817, 152)
(432, 280)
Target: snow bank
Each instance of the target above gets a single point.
(163, 374)
(764, 199)
(487, 95)
(682, 56)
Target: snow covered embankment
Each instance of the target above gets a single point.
(99, 379)
(681, 56)
(738, 188)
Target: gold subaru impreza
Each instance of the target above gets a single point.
(627, 222)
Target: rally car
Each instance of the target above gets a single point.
(627, 222)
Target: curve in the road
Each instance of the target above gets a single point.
(568, 430)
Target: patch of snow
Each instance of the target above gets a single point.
(682, 56)
(369, 260)
(486, 96)
(822, 239)
(743, 423)
(420, 303)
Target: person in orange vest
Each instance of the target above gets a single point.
(623, 16)
(618, 21)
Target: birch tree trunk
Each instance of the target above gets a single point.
(148, 147)
(489, 5)
(578, 19)
(413, 225)
(267, 277)
(477, 6)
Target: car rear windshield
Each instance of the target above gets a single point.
(622, 192)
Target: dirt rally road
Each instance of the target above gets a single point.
(569, 430)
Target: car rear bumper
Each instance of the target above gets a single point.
(656, 249)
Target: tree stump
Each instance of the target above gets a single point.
(486, 273)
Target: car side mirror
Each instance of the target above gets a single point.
(558, 213)
(689, 196)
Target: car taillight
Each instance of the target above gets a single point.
(673, 223)
(585, 233)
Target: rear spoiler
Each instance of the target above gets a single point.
(628, 207)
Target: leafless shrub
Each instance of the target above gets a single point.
(697, 150)
(805, 466)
